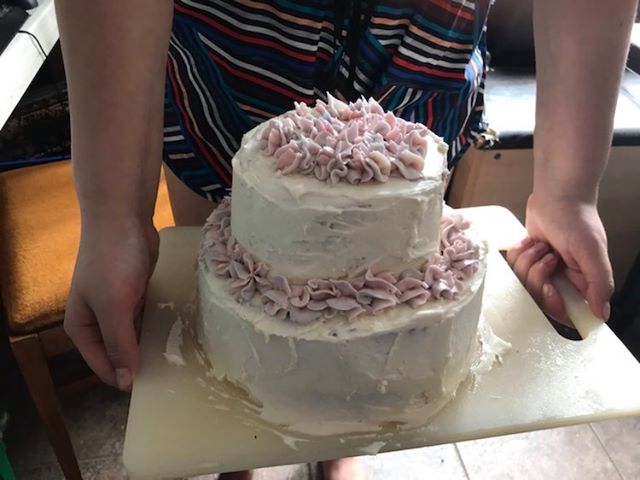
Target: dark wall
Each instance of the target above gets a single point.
(510, 33)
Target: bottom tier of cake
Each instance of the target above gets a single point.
(337, 376)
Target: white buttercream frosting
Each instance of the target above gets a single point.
(335, 376)
(306, 228)
(443, 275)
(173, 352)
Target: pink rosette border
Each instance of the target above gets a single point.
(443, 276)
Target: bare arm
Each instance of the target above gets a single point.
(115, 56)
(581, 48)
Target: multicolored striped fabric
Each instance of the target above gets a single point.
(235, 63)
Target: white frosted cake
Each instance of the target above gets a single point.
(331, 287)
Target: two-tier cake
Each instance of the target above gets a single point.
(331, 287)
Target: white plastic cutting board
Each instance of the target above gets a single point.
(178, 426)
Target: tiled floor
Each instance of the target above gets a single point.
(603, 451)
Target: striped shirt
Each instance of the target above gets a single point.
(235, 63)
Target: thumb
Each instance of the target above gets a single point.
(118, 333)
(593, 262)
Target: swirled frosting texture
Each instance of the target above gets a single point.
(338, 142)
(442, 276)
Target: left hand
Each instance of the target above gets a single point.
(565, 235)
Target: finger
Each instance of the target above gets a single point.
(539, 286)
(514, 252)
(552, 302)
(137, 318)
(81, 326)
(118, 332)
(576, 277)
(527, 258)
(540, 273)
(594, 264)
(599, 277)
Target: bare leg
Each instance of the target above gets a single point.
(344, 469)
(189, 208)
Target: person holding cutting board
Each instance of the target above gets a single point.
(181, 82)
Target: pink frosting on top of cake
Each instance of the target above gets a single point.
(338, 142)
(442, 276)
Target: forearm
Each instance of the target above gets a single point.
(581, 48)
(115, 57)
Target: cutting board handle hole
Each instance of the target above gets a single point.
(564, 330)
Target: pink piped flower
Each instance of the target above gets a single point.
(443, 276)
(248, 277)
(369, 144)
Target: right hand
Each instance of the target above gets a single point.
(114, 263)
(565, 235)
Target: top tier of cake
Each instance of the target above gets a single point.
(307, 223)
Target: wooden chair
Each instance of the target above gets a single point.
(39, 236)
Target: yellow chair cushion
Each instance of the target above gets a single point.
(39, 237)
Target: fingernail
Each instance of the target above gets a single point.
(606, 311)
(548, 258)
(123, 378)
(547, 290)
